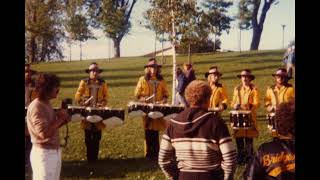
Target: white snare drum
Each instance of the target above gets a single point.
(153, 111)
(96, 114)
(77, 113)
(241, 119)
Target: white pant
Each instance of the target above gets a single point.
(45, 163)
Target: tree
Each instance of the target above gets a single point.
(43, 30)
(78, 29)
(189, 22)
(217, 16)
(113, 16)
(248, 16)
(76, 23)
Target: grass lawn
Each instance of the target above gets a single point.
(121, 149)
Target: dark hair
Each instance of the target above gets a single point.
(179, 71)
(198, 92)
(285, 118)
(213, 67)
(45, 84)
(147, 75)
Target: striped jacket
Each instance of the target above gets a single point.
(197, 141)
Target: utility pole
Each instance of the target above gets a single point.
(283, 26)
(109, 49)
(80, 51)
(173, 55)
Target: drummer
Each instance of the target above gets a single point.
(30, 95)
(219, 98)
(245, 97)
(93, 92)
(152, 88)
(280, 92)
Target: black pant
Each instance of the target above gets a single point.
(152, 144)
(245, 149)
(92, 140)
(28, 146)
(218, 175)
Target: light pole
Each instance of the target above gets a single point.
(109, 49)
(283, 26)
(173, 54)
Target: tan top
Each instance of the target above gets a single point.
(39, 118)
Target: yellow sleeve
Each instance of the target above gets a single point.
(105, 92)
(137, 92)
(165, 92)
(255, 101)
(235, 97)
(224, 96)
(290, 93)
(80, 91)
(267, 98)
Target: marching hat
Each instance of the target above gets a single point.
(93, 66)
(281, 72)
(213, 70)
(152, 63)
(246, 72)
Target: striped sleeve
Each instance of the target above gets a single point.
(167, 160)
(228, 150)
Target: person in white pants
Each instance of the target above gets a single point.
(43, 125)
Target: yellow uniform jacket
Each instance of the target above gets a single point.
(218, 96)
(247, 96)
(84, 92)
(145, 89)
(275, 96)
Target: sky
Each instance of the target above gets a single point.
(141, 41)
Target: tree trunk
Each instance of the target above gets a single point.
(189, 52)
(155, 46)
(70, 51)
(257, 31)
(116, 46)
(31, 49)
(80, 51)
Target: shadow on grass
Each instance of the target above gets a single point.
(106, 168)
(110, 84)
(255, 69)
(218, 60)
(277, 53)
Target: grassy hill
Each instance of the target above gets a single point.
(121, 149)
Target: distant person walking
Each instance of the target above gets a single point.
(181, 86)
(189, 72)
(289, 60)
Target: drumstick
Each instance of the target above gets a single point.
(87, 101)
(147, 99)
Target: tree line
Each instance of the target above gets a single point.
(198, 24)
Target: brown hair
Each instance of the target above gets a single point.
(285, 118)
(198, 92)
(45, 84)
